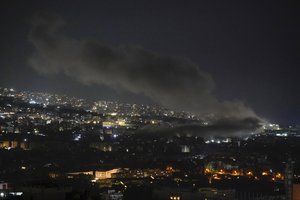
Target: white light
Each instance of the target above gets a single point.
(16, 193)
(32, 102)
(78, 137)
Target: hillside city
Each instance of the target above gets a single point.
(71, 148)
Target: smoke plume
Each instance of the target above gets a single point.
(174, 82)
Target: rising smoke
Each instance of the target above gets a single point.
(175, 83)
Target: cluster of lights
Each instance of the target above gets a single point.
(281, 134)
(271, 127)
(216, 174)
(174, 197)
(218, 141)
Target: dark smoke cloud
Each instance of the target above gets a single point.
(175, 83)
(224, 127)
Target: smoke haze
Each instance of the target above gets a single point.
(174, 82)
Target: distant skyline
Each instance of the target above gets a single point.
(250, 50)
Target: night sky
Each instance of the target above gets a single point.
(232, 51)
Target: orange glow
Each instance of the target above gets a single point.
(235, 173)
(249, 173)
(279, 176)
(170, 169)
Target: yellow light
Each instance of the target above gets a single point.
(264, 173)
(121, 123)
(279, 176)
(207, 170)
(215, 176)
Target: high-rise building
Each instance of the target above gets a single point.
(288, 179)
